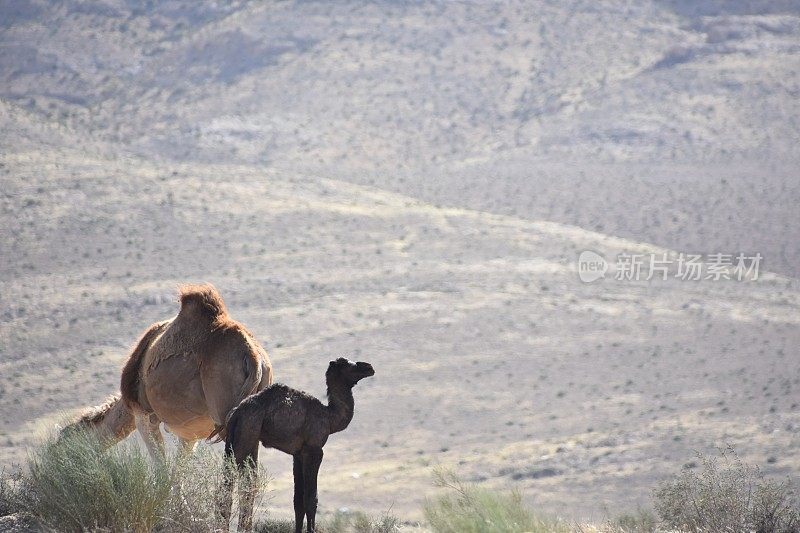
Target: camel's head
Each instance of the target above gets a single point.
(349, 371)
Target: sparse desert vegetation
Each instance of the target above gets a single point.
(465, 508)
(725, 494)
(78, 484)
(412, 184)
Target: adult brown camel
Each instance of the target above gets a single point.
(188, 372)
(295, 423)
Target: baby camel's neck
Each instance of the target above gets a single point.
(340, 405)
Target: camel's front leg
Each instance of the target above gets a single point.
(312, 458)
(299, 487)
(148, 427)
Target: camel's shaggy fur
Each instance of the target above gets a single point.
(187, 372)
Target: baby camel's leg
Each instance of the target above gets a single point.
(225, 494)
(299, 487)
(241, 450)
(148, 427)
(248, 488)
(312, 458)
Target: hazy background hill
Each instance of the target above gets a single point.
(411, 183)
(682, 102)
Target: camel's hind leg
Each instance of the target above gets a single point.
(148, 427)
(186, 446)
(241, 460)
(248, 489)
(227, 380)
(299, 488)
(185, 450)
(312, 458)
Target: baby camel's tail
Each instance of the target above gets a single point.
(231, 435)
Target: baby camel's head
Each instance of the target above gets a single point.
(348, 371)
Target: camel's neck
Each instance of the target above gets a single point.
(112, 421)
(340, 405)
(120, 420)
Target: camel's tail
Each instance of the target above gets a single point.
(112, 420)
(131, 372)
(223, 431)
(219, 432)
(252, 384)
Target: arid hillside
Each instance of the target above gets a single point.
(412, 185)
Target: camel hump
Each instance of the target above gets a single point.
(131, 372)
(202, 299)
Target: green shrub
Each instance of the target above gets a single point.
(727, 495)
(272, 525)
(640, 521)
(9, 491)
(360, 522)
(469, 509)
(76, 484)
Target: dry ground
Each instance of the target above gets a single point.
(491, 355)
(411, 184)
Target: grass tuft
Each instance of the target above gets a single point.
(360, 522)
(639, 521)
(272, 525)
(469, 509)
(77, 484)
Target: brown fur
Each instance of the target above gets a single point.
(129, 382)
(205, 300)
(111, 419)
(93, 415)
(188, 372)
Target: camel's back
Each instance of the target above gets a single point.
(193, 369)
(202, 329)
(203, 363)
(186, 334)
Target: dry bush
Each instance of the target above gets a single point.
(726, 495)
(9, 483)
